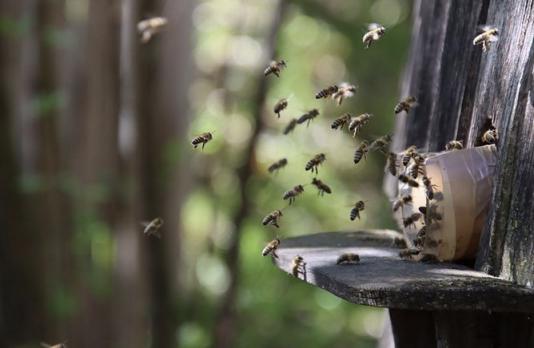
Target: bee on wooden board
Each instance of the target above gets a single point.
(411, 220)
(408, 154)
(454, 145)
(487, 36)
(407, 180)
(271, 247)
(59, 345)
(431, 213)
(153, 227)
(348, 258)
(276, 166)
(380, 144)
(374, 33)
(327, 92)
(275, 67)
(203, 139)
(429, 187)
(489, 136)
(272, 218)
(402, 201)
(314, 163)
(419, 240)
(341, 121)
(392, 164)
(321, 186)
(307, 117)
(417, 166)
(345, 90)
(298, 266)
(280, 105)
(293, 193)
(149, 27)
(361, 152)
(405, 105)
(290, 126)
(408, 254)
(355, 211)
(358, 122)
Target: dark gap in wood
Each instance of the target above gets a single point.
(412, 329)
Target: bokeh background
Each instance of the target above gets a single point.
(95, 132)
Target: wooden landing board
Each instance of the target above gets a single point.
(383, 279)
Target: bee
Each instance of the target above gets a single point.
(152, 228)
(310, 115)
(402, 201)
(321, 186)
(345, 90)
(419, 240)
(454, 145)
(392, 163)
(411, 220)
(327, 92)
(400, 242)
(418, 166)
(489, 136)
(380, 143)
(408, 154)
(272, 218)
(431, 213)
(429, 187)
(348, 258)
(293, 193)
(271, 248)
(361, 151)
(407, 254)
(405, 105)
(281, 163)
(149, 27)
(59, 345)
(374, 33)
(201, 139)
(275, 67)
(314, 163)
(487, 36)
(407, 180)
(298, 266)
(358, 122)
(355, 211)
(341, 121)
(279, 106)
(290, 126)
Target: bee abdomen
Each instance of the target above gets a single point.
(325, 93)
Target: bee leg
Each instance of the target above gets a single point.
(276, 224)
(276, 73)
(274, 254)
(203, 145)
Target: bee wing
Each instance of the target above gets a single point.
(373, 26)
(483, 28)
(493, 38)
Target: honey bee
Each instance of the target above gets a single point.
(271, 248)
(361, 151)
(405, 105)
(454, 145)
(407, 180)
(407, 254)
(358, 122)
(307, 117)
(293, 193)
(419, 240)
(487, 36)
(348, 258)
(418, 166)
(411, 220)
(408, 154)
(277, 165)
(290, 126)
(429, 187)
(321, 186)
(345, 90)
(149, 27)
(279, 106)
(327, 92)
(298, 266)
(314, 163)
(380, 143)
(203, 139)
(402, 201)
(341, 121)
(374, 33)
(152, 228)
(489, 136)
(275, 67)
(392, 163)
(431, 213)
(272, 218)
(59, 345)
(355, 211)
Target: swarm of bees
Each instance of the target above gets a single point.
(374, 33)
(149, 27)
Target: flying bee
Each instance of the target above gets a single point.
(314, 163)
(454, 145)
(275, 67)
(307, 117)
(411, 220)
(374, 33)
(392, 163)
(348, 258)
(279, 106)
(321, 186)
(408, 154)
(271, 248)
(149, 27)
(487, 36)
(298, 266)
(408, 254)
(380, 143)
(293, 193)
(407, 180)
(327, 92)
(405, 105)
(419, 240)
(431, 213)
(361, 151)
(59, 345)
(272, 218)
(345, 90)
(281, 163)
(402, 201)
(341, 121)
(203, 139)
(429, 187)
(358, 122)
(418, 166)
(290, 126)
(152, 228)
(489, 136)
(355, 211)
